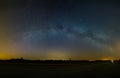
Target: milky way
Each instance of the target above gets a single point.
(60, 29)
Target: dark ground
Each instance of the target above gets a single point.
(92, 70)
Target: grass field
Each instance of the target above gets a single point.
(95, 70)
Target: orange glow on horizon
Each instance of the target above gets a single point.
(57, 55)
(107, 59)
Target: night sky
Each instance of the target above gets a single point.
(60, 29)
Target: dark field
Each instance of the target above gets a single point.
(92, 70)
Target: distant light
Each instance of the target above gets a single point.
(112, 61)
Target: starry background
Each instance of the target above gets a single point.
(60, 29)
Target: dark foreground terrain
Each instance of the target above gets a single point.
(92, 70)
